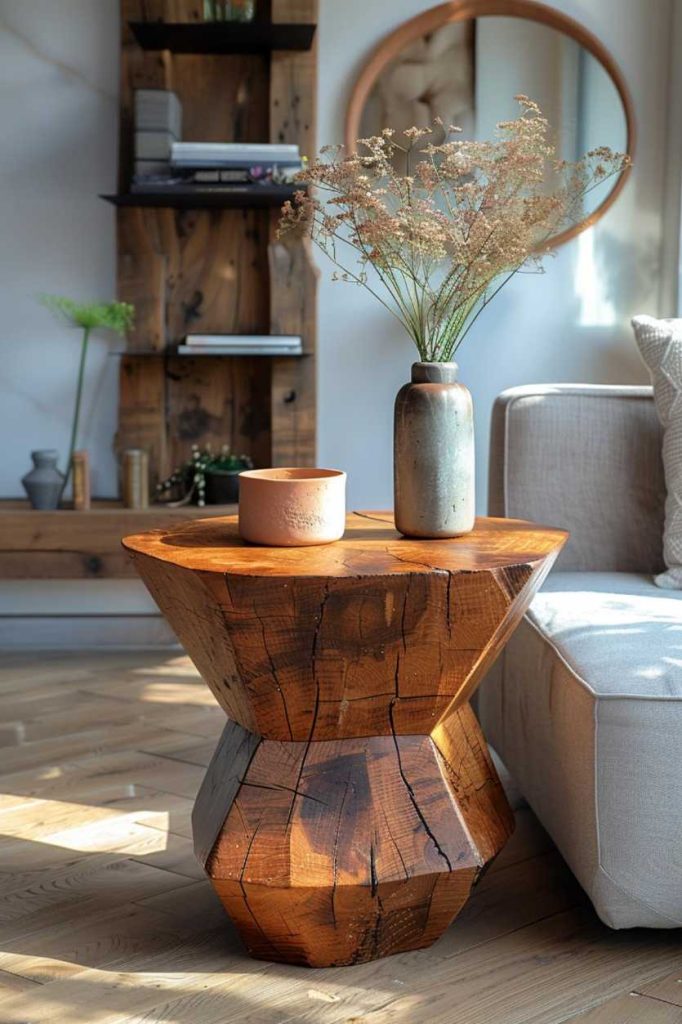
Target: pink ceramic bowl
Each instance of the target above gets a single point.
(292, 507)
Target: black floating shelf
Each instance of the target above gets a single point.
(172, 353)
(235, 197)
(222, 36)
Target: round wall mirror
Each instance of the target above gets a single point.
(465, 61)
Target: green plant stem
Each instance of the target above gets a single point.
(77, 407)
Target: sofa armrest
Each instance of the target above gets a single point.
(586, 458)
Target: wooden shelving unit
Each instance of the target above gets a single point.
(199, 264)
(212, 263)
(80, 545)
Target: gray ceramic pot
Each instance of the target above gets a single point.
(44, 483)
(434, 454)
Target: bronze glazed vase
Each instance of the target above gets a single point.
(433, 454)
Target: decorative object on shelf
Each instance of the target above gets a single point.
(113, 316)
(205, 479)
(292, 507)
(434, 454)
(158, 124)
(229, 10)
(435, 246)
(44, 483)
(81, 481)
(135, 478)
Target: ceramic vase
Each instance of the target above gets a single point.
(44, 483)
(434, 454)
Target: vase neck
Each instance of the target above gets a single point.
(44, 457)
(434, 373)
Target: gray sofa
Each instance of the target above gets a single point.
(585, 704)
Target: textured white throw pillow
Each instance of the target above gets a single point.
(660, 342)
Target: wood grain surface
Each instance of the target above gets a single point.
(371, 635)
(340, 852)
(351, 803)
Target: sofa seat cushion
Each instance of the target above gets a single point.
(616, 631)
(585, 709)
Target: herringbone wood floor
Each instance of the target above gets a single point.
(105, 917)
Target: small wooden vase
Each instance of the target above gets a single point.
(434, 454)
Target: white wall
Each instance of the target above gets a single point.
(58, 146)
(569, 325)
(58, 124)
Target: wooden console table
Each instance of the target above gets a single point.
(351, 803)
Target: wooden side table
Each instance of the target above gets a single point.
(351, 803)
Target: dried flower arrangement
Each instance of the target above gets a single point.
(187, 483)
(444, 238)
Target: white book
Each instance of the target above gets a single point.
(242, 340)
(233, 154)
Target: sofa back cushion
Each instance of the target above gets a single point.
(586, 458)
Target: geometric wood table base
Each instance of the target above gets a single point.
(351, 803)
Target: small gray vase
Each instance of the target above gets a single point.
(44, 483)
(434, 454)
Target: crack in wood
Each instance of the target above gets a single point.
(413, 798)
(316, 707)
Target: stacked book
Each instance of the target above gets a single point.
(241, 345)
(158, 126)
(218, 166)
(231, 163)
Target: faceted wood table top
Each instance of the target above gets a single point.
(370, 546)
(351, 803)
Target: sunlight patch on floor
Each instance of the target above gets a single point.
(47, 821)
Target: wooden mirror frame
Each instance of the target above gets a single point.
(464, 10)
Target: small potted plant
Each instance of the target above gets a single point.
(205, 479)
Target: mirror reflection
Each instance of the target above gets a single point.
(468, 72)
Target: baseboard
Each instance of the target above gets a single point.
(67, 632)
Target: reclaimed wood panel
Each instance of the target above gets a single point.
(293, 275)
(293, 310)
(218, 401)
(142, 413)
(142, 283)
